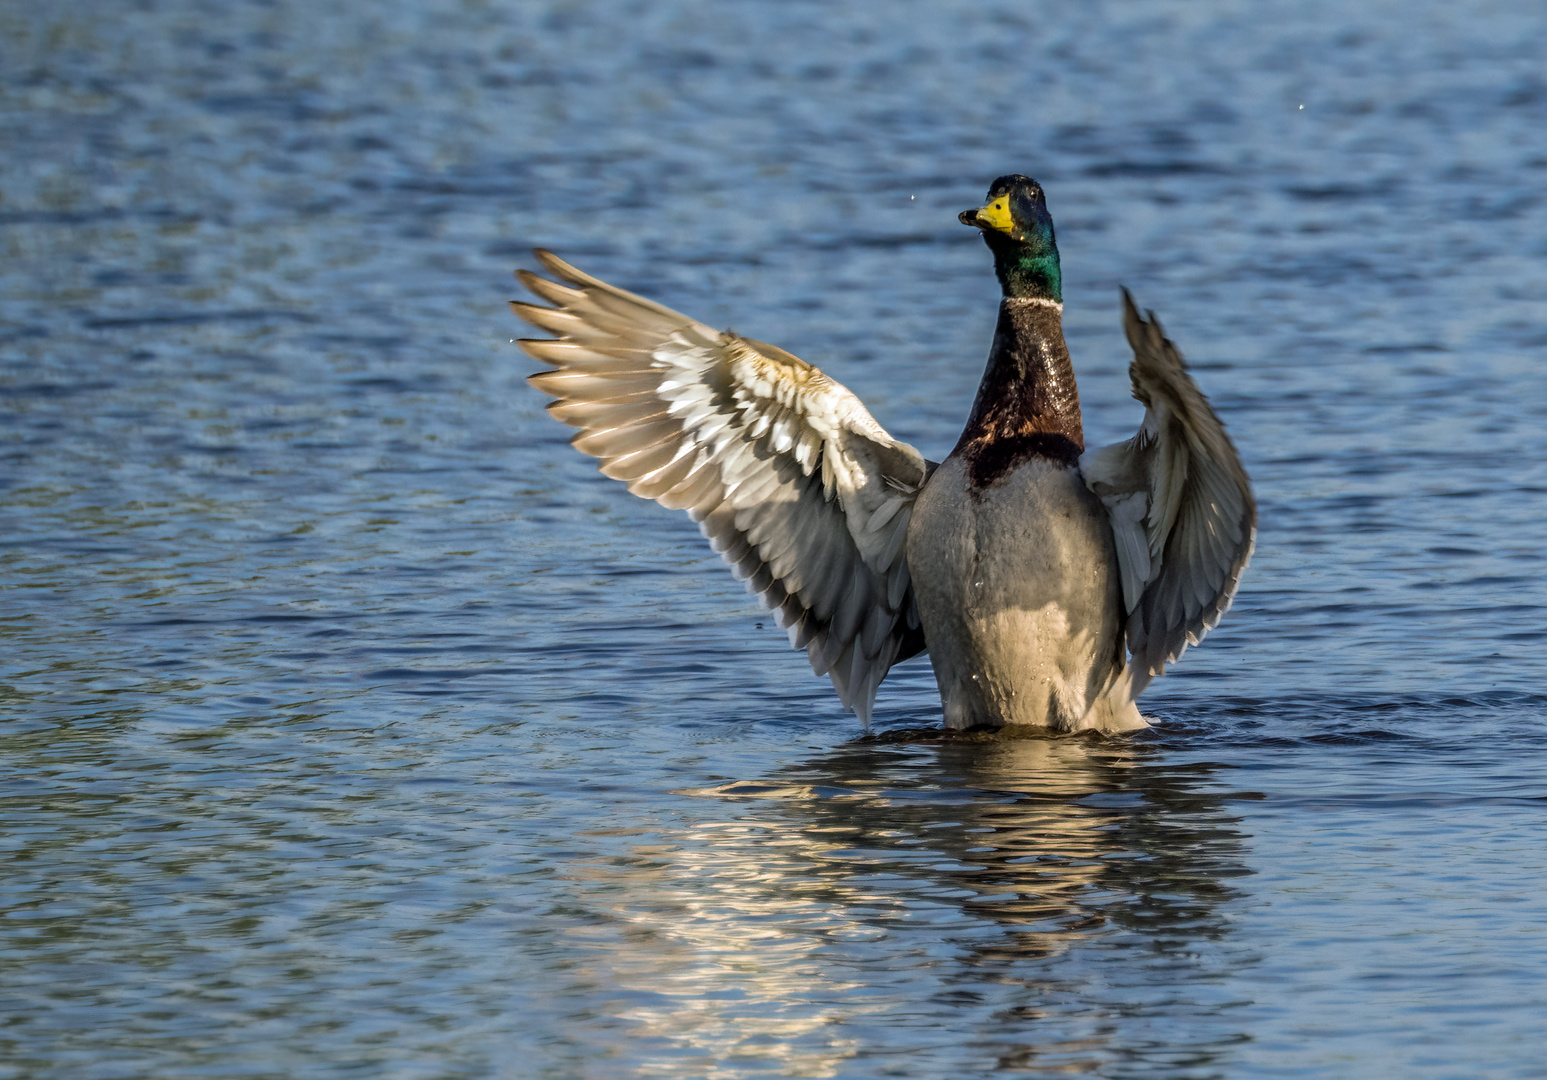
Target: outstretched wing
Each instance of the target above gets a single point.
(1180, 504)
(784, 470)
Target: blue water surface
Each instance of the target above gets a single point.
(351, 725)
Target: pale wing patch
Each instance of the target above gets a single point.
(787, 474)
(1180, 503)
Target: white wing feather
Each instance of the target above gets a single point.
(786, 473)
(1180, 504)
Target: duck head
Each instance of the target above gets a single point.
(1019, 231)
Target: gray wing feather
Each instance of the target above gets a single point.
(1180, 504)
(790, 478)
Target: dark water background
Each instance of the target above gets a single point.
(354, 726)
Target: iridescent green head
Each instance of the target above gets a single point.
(1019, 231)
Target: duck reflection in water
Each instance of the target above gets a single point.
(1055, 838)
(1060, 899)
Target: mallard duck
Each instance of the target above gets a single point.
(1048, 584)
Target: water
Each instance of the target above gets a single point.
(354, 726)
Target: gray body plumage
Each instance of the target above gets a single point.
(1020, 600)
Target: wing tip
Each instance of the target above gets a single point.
(529, 312)
(558, 267)
(533, 348)
(1133, 322)
(542, 255)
